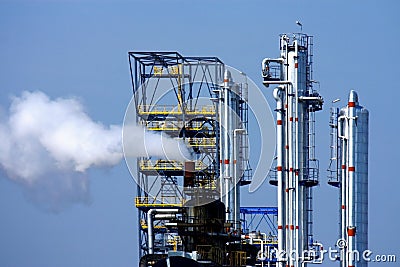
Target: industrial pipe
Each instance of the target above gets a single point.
(278, 95)
(226, 126)
(170, 214)
(353, 101)
(343, 186)
(236, 180)
(262, 248)
(265, 60)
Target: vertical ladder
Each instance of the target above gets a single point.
(309, 210)
(334, 172)
(243, 155)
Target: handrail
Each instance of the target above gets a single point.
(174, 110)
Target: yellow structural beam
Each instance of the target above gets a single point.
(165, 165)
(143, 225)
(168, 128)
(167, 125)
(158, 71)
(202, 142)
(208, 110)
(150, 202)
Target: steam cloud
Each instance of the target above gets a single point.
(48, 145)
(140, 143)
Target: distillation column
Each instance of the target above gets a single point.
(352, 147)
(297, 168)
(229, 121)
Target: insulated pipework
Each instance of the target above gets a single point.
(229, 123)
(352, 143)
(296, 167)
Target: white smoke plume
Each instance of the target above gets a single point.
(140, 143)
(47, 145)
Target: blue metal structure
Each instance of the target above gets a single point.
(257, 216)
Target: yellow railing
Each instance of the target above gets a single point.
(201, 142)
(158, 71)
(167, 165)
(174, 110)
(160, 165)
(164, 126)
(168, 125)
(143, 224)
(268, 242)
(159, 202)
(172, 126)
(210, 186)
(171, 70)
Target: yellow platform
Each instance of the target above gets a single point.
(152, 202)
(174, 110)
(167, 165)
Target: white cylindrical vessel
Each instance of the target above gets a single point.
(226, 141)
(296, 177)
(353, 142)
(279, 95)
(229, 174)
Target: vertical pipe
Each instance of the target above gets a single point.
(227, 159)
(139, 218)
(278, 95)
(351, 231)
(221, 111)
(284, 55)
(236, 176)
(150, 236)
(234, 179)
(295, 138)
(226, 151)
(150, 233)
(296, 167)
(301, 190)
(290, 168)
(232, 126)
(344, 204)
(221, 151)
(293, 141)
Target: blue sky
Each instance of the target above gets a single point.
(79, 48)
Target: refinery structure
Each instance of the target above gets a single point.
(189, 210)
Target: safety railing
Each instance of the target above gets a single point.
(163, 126)
(144, 226)
(174, 110)
(175, 126)
(159, 202)
(165, 165)
(202, 142)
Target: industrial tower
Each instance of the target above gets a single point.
(296, 166)
(189, 211)
(191, 208)
(349, 173)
